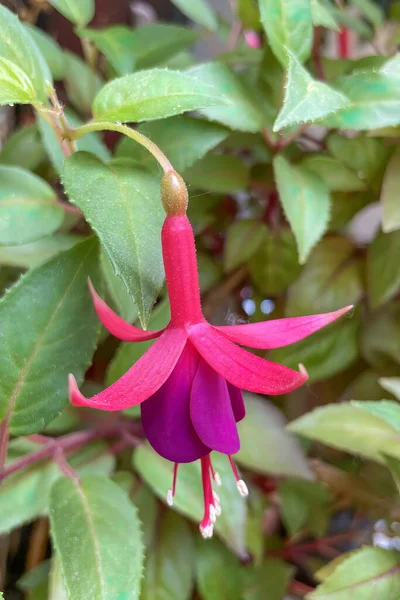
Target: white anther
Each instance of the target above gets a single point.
(213, 513)
(242, 487)
(207, 531)
(170, 498)
(217, 504)
(217, 479)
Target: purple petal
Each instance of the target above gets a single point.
(238, 407)
(211, 410)
(166, 414)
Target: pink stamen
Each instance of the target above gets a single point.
(210, 511)
(215, 475)
(171, 491)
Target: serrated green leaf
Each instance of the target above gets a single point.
(331, 279)
(157, 473)
(392, 385)
(79, 12)
(170, 561)
(322, 15)
(117, 43)
(153, 94)
(326, 352)
(275, 265)
(389, 194)
(52, 306)
(127, 221)
(18, 47)
(350, 429)
(219, 573)
(219, 173)
(198, 11)
(158, 42)
(380, 339)
(304, 504)
(25, 495)
(336, 176)
(265, 445)
(288, 26)
(241, 113)
(23, 148)
(36, 253)
(81, 83)
(306, 99)
(269, 580)
(366, 573)
(28, 208)
(183, 139)
(306, 202)
(15, 85)
(96, 531)
(383, 269)
(50, 50)
(243, 239)
(387, 410)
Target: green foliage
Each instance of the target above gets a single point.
(117, 43)
(156, 43)
(218, 572)
(50, 50)
(198, 11)
(389, 198)
(79, 12)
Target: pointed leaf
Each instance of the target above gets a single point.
(392, 385)
(79, 12)
(52, 306)
(39, 252)
(306, 202)
(389, 195)
(96, 531)
(153, 94)
(128, 220)
(322, 15)
(15, 85)
(157, 473)
(306, 99)
(383, 269)
(117, 45)
(387, 410)
(198, 11)
(288, 26)
(28, 208)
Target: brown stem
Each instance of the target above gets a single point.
(314, 546)
(4, 437)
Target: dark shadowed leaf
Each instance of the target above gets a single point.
(219, 573)
(219, 173)
(23, 148)
(269, 580)
(36, 253)
(380, 339)
(156, 43)
(243, 239)
(389, 194)
(304, 504)
(336, 176)
(383, 268)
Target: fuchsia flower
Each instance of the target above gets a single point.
(191, 379)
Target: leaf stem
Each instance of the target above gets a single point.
(4, 437)
(77, 133)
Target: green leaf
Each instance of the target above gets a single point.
(367, 573)
(81, 83)
(96, 531)
(219, 573)
(383, 268)
(28, 208)
(331, 279)
(17, 46)
(345, 205)
(304, 504)
(288, 26)
(90, 142)
(393, 465)
(219, 173)
(170, 561)
(306, 202)
(15, 85)
(326, 352)
(117, 43)
(350, 429)
(243, 239)
(157, 473)
(265, 445)
(127, 353)
(336, 176)
(127, 221)
(79, 12)
(370, 11)
(52, 306)
(269, 580)
(23, 148)
(154, 44)
(209, 271)
(306, 99)
(248, 14)
(50, 50)
(322, 15)
(25, 495)
(375, 101)
(36, 253)
(387, 410)
(56, 584)
(392, 385)
(153, 94)
(198, 11)
(125, 307)
(241, 113)
(183, 139)
(275, 265)
(380, 340)
(389, 195)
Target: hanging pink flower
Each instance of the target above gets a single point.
(190, 382)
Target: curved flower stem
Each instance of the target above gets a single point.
(77, 133)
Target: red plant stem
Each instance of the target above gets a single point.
(299, 588)
(343, 43)
(66, 443)
(289, 551)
